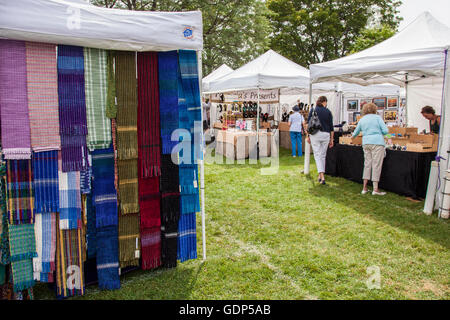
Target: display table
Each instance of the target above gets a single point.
(241, 145)
(405, 173)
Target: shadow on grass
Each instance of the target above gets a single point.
(383, 209)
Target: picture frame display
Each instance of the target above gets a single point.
(392, 102)
(352, 105)
(380, 102)
(390, 116)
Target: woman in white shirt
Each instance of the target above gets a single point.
(296, 121)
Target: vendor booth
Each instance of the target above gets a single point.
(417, 59)
(92, 183)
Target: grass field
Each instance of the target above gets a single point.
(287, 237)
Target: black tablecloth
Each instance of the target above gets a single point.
(404, 173)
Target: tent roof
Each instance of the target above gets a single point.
(82, 24)
(269, 71)
(223, 70)
(418, 50)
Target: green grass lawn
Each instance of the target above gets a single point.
(287, 237)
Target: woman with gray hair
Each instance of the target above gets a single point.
(373, 130)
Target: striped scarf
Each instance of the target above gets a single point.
(4, 238)
(111, 105)
(104, 193)
(99, 126)
(91, 229)
(129, 244)
(169, 244)
(15, 123)
(126, 91)
(46, 187)
(23, 250)
(86, 176)
(72, 108)
(128, 186)
(148, 119)
(45, 235)
(42, 78)
(168, 98)
(20, 192)
(70, 257)
(108, 258)
(69, 198)
(187, 237)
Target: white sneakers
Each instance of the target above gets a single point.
(374, 193)
(364, 191)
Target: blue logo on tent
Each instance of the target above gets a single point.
(188, 33)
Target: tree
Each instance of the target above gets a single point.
(313, 31)
(372, 36)
(234, 31)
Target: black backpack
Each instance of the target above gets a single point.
(314, 124)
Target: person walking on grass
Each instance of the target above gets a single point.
(373, 130)
(296, 121)
(323, 137)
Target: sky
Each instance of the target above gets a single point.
(410, 9)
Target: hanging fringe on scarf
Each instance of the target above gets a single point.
(20, 192)
(45, 235)
(170, 190)
(15, 123)
(69, 198)
(126, 91)
(129, 240)
(148, 115)
(169, 235)
(128, 186)
(99, 126)
(187, 237)
(46, 186)
(111, 104)
(72, 107)
(42, 81)
(151, 247)
(168, 99)
(108, 258)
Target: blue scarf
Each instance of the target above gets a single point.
(46, 185)
(91, 229)
(108, 258)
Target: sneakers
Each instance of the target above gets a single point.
(365, 191)
(374, 193)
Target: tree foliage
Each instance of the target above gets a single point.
(235, 31)
(313, 31)
(372, 36)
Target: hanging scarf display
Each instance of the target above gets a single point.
(148, 115)
(126, 92)
(187, 237)
(22, 251)
(128, 186)
(4, 238)
(169, 245)
(86, 176)
(70, 257)
(45, 235)
(108, 258)
(116, 174)
(69, 198)
(42, 83)
(111, 105)
(20, 191)
(99, 126)
(15, 123)
(129, 240)
(46, 187)
(91, 229)
(72, 108)
(168, 99)
(104, 193)
(170, 190)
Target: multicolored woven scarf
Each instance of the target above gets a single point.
(22, 250)
(91, 229)
(104, 193)
(72, 108)
(20, 191)
(111, 105)
(168, 98)
(4, 237)
(86, 176)
(46, 186)
(149, 203)
(70, 257)
(129, 240)
(148, 115)
(45, 235)
(69, 198)
(99, 126)
(108, 258)
(15, 123)
(126, 91)
(42, 78)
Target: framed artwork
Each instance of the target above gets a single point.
(390, 116)
(352, 105)
(392, 102)
(380, 102)
(363, 102)
(356, 116)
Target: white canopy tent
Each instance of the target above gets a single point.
(418, 52)
(81, 24)
(222, 71)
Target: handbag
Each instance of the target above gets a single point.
(314, 124)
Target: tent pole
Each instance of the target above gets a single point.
(202, 160)
(308, 146)
(406, 99)
(257, 128)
